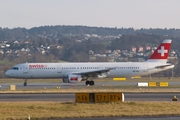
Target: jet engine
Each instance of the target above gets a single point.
(72, 79)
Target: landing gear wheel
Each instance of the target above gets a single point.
(25, 82)
(89, 83)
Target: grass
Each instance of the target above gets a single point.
(97, 89)
(6, 62)
(55, 110)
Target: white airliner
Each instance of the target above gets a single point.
(85, 71)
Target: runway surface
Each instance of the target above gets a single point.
(65, 85)
(71, 97)
(70, 85)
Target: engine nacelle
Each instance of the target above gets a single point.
(72, 79)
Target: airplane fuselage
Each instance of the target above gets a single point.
(60, 70)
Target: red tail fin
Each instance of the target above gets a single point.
(161, 53)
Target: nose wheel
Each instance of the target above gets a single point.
(25, 82)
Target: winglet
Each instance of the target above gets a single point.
(161, 53)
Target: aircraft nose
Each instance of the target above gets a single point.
(7, 73)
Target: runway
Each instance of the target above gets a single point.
(66, 85)
(70, 85)
(59, 97)
(71, 97)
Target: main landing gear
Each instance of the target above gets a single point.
(89, 82)
(25, 82)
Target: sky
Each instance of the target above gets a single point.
(96, 13)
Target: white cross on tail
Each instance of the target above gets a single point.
(162, 51)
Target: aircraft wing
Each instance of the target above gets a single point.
(95, 73)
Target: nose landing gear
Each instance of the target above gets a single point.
(25, 82)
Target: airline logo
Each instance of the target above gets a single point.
(162, 51)
(37, 66)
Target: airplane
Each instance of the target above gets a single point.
(87, 71)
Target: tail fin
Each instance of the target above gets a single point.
(161, 53)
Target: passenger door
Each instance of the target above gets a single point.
(25, 69)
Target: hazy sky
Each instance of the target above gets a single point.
(100, 13)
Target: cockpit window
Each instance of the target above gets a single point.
(15, 68)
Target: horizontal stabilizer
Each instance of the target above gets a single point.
(163, 66)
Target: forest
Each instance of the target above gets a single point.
(58, 30)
